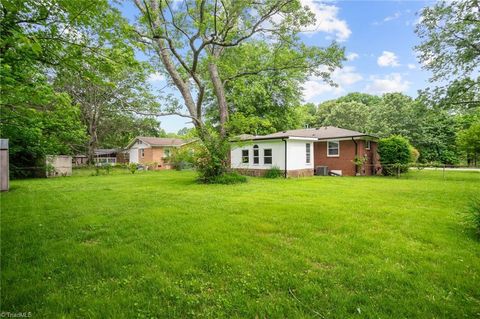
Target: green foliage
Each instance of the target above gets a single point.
(350, 115)
(227, 178)
(473, 211)
(40, 40)
(359, 160)
(274, 172)
(182, 157)
(211, 158)
(395, 154)
(450, 33)
(132, 167)
(414, 155)
(265, 99)
(469, 143)
(33, 134)
(431, 130)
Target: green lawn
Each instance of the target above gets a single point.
(156, 245)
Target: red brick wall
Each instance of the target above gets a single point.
(347, 155)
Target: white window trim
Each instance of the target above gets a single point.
(142, 153)
(253, 155)
(309, 153)
(248, 157)
(271, 156)
(368, 145)
(335, 155)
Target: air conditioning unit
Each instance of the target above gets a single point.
(321, 170)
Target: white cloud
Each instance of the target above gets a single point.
(352, 56)
(343, 77)
(395, 16)
(411, 66)
(312, 89)
(346, 76)
(156, 77)
(327, 20)
(389, 83)
(388, 59)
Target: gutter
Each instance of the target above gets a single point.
(285, 171)
(303, 137)
(356, 154)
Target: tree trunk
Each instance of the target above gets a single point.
(220, 94)
(92, 143)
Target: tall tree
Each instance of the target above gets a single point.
(107, 91)
(430, 130)
(192, 38)
(450, 48)
(38, 38)
(260, 101)
(469, 143)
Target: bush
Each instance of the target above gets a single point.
(132, 167)
(226, 178)
(414, 155)
(182, 158)
(395, 154)
(274, 172)
(474, 213)
(211, 159)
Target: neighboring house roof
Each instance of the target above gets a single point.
(159, 141)
(106, 151)
(320, 133)
(102, 151)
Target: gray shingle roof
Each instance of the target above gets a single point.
(161, 141)
(324, 132)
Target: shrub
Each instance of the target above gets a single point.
(395, 154)
(226, 178)
(474, 213)
(132, 167)
(182, 158)
(211, 160)
(414, 155)
(273, 172)
(359, 162)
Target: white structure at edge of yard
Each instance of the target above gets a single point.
(296, 154)
(58, 165)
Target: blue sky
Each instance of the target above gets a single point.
(378, 37)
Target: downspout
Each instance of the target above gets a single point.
(356, 154)
(285, 170)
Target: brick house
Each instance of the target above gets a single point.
(153, 151)
(305, 152)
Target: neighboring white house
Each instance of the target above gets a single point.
(293, 155)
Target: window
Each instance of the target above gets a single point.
(267, 156)
(333, 149)
(307, 153)
(142, 152)
(367, 145)
(166, 152)
(245, 156)
(256, 156)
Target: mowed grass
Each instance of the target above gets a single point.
(157, 245)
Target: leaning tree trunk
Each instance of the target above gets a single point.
(92, 143)
(219, 90)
